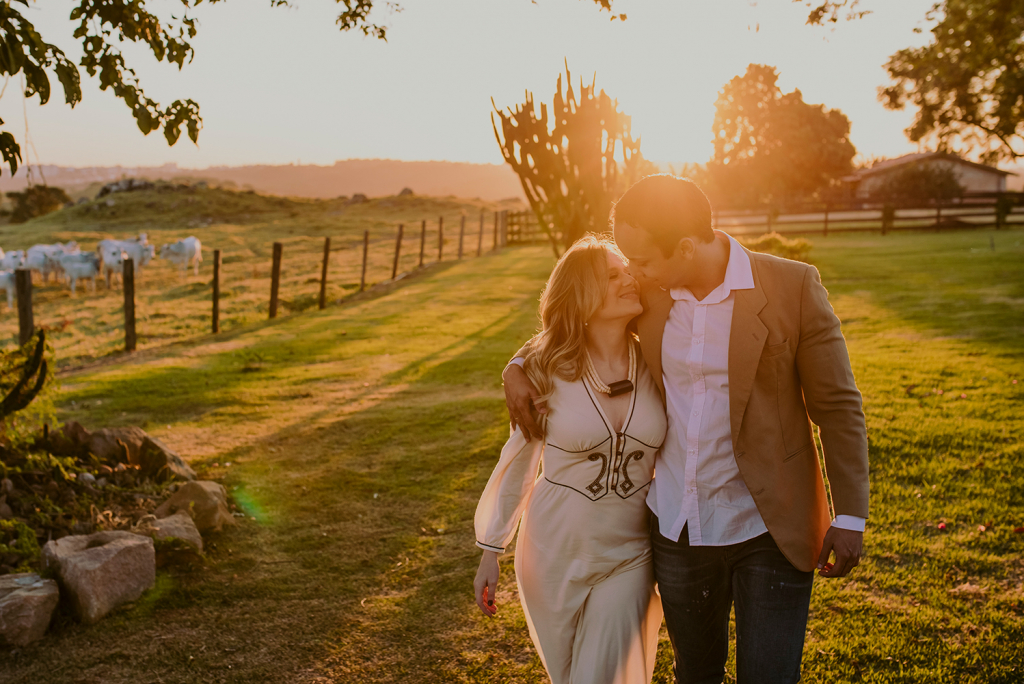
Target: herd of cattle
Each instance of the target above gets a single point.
(67, 261)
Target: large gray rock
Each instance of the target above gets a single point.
(205, 501)
(101, 571)
(27, 603)
(159, 462)
(174, 527)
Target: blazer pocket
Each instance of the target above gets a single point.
(771, 350)
(799, 452)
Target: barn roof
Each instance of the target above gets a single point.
(890, 164)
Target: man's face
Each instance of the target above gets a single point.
(647, 263)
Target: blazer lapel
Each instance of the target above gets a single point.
(651, 328)
(746, 341)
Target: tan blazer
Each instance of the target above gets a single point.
(788, 366)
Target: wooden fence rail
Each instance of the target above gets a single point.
(523, 227)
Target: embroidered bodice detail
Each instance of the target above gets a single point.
(583, 452)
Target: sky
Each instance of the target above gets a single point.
(283, 85)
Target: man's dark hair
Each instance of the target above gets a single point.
(668, 208)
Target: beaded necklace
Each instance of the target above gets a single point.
(616, 388)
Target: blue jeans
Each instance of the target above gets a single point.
(700, 584)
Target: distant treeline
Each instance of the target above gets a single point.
(372, 177)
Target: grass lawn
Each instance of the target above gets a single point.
(360, 437)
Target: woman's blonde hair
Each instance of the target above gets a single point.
(575, 291)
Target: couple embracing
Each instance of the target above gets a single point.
(675, 380)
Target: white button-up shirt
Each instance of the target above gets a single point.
(697, 480)
(697, 483)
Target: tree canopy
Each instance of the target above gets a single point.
(772, 146)
(967, 83)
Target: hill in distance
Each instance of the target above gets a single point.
(371, 177)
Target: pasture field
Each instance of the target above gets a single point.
(244, 227)
(359, 438)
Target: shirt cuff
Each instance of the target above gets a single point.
(849, 522)
(488, 547)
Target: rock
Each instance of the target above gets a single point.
(87, 478)
(104, 444)
(71, 440)
(358, 198)
(6, 487)
(205, 501)
(160, 463)
(173, 529)
(405, 192)
(27, 604)
(5, 510)
(101, 571)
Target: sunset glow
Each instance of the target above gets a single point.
(284, 86)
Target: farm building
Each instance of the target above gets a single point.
(972, 176)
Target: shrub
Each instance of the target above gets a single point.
(773, 243)
(18, 539)
(36, 200)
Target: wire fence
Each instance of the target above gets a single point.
(250, 281)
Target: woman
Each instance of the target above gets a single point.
(583, 560)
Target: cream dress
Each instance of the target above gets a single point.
(583, 560)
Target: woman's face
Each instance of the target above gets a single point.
(622, 300)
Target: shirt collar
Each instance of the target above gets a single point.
(738, 276)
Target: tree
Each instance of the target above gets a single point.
(103, 26)
(771, 146)
(573, 165)
(36, 200)
(967, 84)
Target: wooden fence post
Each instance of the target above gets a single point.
(216, 291)
(824, 233)
(494, 240)
(323, 273)
(23, 290)
(275, 278)
(398, 249)
(423, 240)
(504, 227)
(938, 214)
(480, 240)
(129, 305)
(462, 233)
(440, 238)
(366, 248)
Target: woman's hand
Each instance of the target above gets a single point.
(486, 583)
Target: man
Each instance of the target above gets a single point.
(747, 352)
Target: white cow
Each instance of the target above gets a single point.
(11, 261)
(183, 252)
(7, 283)
(78, 266)
(113, 252)
(43, 258)
(111, 258)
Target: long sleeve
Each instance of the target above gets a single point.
(833, 401)
(507, 492)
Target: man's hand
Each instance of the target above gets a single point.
(847, 545)
(521, 397)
